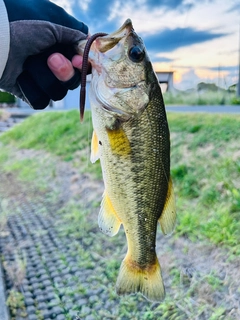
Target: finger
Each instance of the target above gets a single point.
(77, 61)
(37, 81)
(61, 67)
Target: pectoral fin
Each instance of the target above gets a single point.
(94, 148)
(108, 221)
(168, 216)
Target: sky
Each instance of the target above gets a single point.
(198, 40)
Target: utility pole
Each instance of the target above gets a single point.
(238, 84)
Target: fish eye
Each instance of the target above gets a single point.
(136, 54)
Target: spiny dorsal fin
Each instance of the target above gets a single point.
(168, 216)
(108, 220)
(94, 148)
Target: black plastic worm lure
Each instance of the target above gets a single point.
(85, 69)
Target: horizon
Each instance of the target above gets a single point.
(198, 41)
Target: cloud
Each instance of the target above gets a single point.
(171, 39)
(170, 4)
(170, 29)
(66, 5)
(234, 7)
(158, 58)
(224, 68)
(189, 80)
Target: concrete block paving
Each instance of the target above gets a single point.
(39, 264)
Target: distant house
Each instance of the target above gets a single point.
(165, 79)
(71, 101)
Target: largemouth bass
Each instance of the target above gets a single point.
(131, 138)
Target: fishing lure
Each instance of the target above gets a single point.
(84, 71)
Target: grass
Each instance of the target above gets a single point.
(204, 169)
(205, 161)
(221, 97)
(60, 133)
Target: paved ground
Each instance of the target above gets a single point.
(9, 122)
(231, 109)
(29, 247)
(40, 263)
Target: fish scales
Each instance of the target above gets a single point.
(131, 138)
(148, 172)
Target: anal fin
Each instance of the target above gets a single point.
(108, 220)
(168, 216)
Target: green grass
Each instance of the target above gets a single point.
(6, 97)
(204, 169)
(60, 133)
(221, 97)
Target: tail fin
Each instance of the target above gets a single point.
(148, 280)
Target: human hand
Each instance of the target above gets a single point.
(62, 68)
(39, 30)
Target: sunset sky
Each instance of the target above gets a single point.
(198, 40)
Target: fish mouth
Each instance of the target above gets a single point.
(127, 26)
(109, 41)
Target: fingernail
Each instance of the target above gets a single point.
(56, 61)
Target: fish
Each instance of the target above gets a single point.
(132, 140)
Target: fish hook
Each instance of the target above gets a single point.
(84, 71)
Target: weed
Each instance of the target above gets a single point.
(16, 271)
(235, 206)
(112, 269)
(15, 302)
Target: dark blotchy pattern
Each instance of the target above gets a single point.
(151, 171)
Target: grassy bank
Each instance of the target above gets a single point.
(195, 97)
(205, 161)
(205, 165)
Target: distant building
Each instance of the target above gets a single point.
(165, 79)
